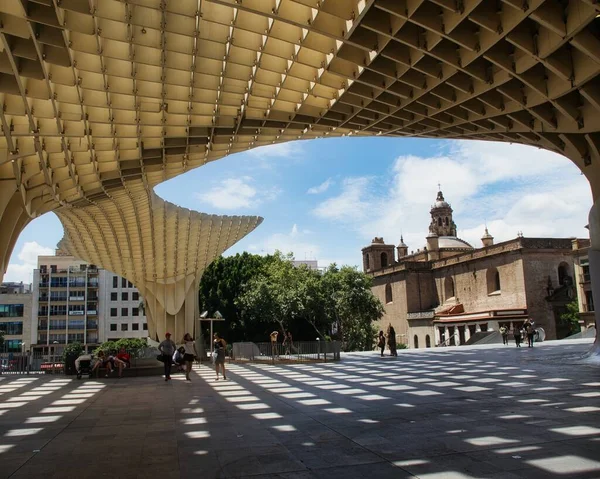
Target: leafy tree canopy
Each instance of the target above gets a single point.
(257, 294)
(570, 318)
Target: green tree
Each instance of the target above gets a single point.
(353, 306)
(308, 302)
(570, 319)
(220, 285)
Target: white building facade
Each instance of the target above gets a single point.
(73, 301)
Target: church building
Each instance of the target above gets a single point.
(448, 291)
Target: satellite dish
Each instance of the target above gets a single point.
(204, 315)
(218, 315)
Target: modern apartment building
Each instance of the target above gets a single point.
(15, 317)
(74, 301)
(122, 306)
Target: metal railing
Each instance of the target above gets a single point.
(301, 351)
(32, 362)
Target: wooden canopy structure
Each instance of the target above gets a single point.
(101, 100)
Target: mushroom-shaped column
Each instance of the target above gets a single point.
(161, 248)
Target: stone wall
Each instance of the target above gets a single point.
(395, 311)
(471, 283)
(538, 266)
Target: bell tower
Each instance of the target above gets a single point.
(442, 223)
(378, 255)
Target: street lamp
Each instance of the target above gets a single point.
(54, 357)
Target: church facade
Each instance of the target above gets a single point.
(449, 291)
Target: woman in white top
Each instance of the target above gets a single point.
(189, 354)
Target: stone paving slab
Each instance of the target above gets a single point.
(452, 413)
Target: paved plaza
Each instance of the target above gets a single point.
(468, 412)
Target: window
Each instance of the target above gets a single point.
(129, 285)
(115, 281)
(427, 341)
(416, 341)
(12, 327)
(493, 281)
(145, 327)
(388, 293)
(124, 296)
(135, 296)
(135, 311)
(113, 326)
(113, 312)
(563, 274)
(124, 311)
(11, 310)
(135, 327)
(114, 296)
(446, 221)
(384, 260)
(589, 301)
(448, 288)
(13, 345)
(124, 327)
(367, 267)
(123, 283)
(440, 221)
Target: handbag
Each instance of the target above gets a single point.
(215, 355)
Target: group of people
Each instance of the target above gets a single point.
(112, 362)
(391, 341)
(527, 331)
(288, 343)
(184, 356)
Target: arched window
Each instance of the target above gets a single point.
(384, 260)
(416, 340)
(440, 221)
(388, 293)
(563, 273)
(427, 341)
(446, 222)
(367, 266)
(449, 288)
(493, 281)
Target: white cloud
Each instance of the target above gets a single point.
(294, 241)
(277, 150)
(23, 270)
(322, 188)
(236, 194)
(510, 187)
(351, 203)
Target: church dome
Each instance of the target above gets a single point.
(452, 242)
(440, 202)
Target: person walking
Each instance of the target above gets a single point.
(167, 349)
(219, 348)
(189, 354)
(530, 329)
(517, 335)
(381, 342)
(274, 345)
(504, 333)
(288, 343)
(391, 338)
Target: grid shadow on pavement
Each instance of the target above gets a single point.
(494, 412)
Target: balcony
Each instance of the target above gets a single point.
(584, 278)
(587, 308)
(92, 325)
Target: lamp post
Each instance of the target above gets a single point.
(54, 357)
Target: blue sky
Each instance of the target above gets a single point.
(326, 199)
